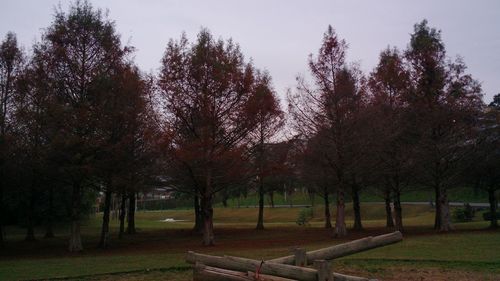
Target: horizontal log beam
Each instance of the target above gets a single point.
(286, 272)
(276, 269)
(206, 273)
(345, 249)
(244, 265)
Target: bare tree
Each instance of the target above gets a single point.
(482, 165)
(11, 62)
(208, 91)
(266, 109)
(332, 105)
(390, 86)
(82, 51)
(442, 105)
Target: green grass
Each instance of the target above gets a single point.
(157, 251)
(83, 266)
(457, 194)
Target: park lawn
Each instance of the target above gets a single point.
(456, 194)
(157, 251)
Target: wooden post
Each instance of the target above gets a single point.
(300, 256)
(325, 272)
(345, 249)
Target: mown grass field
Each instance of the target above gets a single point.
(157, 252)
(456, 194)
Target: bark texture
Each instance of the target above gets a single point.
(198, 223)
(328, 217)
(388, 212)
(260, 219)
(207, 212)
(75, 240)
(123, 212)
(131, 213)
(340, 227)
(398, 212)
(103, 241)
(49, 232)
(30, 233)
(493, 208)
(356, 208)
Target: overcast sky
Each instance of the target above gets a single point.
(280, 34)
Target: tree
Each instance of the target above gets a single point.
(281, 166)
(316, 171)
(207, 89)
(496, 101)
(82, 51)
(392, 148)
(332, 105)
(443, 104)
(143, 149)
(123, 108)
(11, 62)
(482, 165)
(32, 134)
(265, 107)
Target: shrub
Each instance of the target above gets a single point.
(487, 216)
(305, 215)
(464, 214)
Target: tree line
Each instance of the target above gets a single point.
(80, 120)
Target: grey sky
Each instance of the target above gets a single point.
(279, 34)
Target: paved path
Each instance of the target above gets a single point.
(451, 204)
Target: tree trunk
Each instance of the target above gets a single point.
(444, 213)
(30, 233)
(493, 208)
(1, 214)
(260, 220)
(224, 199)
(437, 220)
(123, 211)
(49, 233)
(340, 228)
(388, 212)
(75, 240)
(131, 213)
(198, 220)
(103, 242)
(357, 208)
(271, 198)
(398, 211)
(207, 212)
(312, 197)
(328, 217)
(114, 208)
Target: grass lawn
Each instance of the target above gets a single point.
(157, 251)
(456, 194)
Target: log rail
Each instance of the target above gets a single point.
(289, 268)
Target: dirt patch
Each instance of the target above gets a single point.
(181, 240)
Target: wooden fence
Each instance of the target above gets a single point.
(289, 268)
